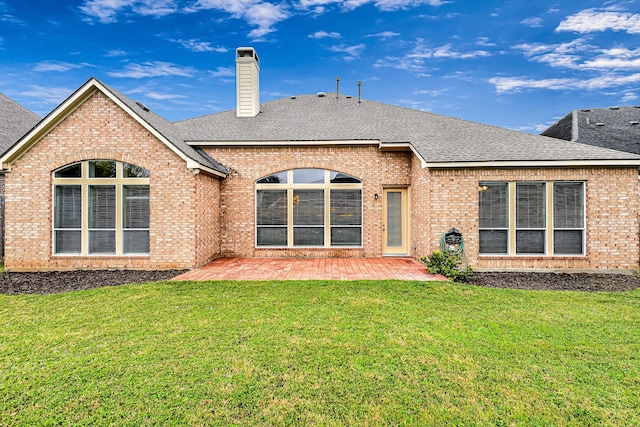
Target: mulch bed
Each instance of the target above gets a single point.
(53, 282)
(586, 282)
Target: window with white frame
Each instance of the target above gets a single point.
(308, 208)
(532, 218)
(101, 207)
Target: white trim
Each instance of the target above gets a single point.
(532, 164)
(280, 143)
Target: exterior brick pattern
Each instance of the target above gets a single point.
(376, 169)
(99, 129)
(207, 219)
(612, 204)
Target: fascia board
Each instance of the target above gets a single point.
(193, 165)
(533, 164)
(279, 143)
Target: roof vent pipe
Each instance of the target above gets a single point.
(247, 82)
(337, 87)
(359, 98)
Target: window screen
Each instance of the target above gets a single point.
(530, 218)
(494, 218)
(568, 218)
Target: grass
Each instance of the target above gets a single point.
(319, 353)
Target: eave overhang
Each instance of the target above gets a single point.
(532, 164)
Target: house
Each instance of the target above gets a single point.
(617, 128)
(15, 121)
(103, 182)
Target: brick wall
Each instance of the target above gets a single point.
(207, 214)
(612, 208)
(99, 129)
(376, 169)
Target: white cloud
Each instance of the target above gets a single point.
(533, 22)
(257, 13)
(516, 84)
(152, 69)
(566, 55)
(446, 52)
(52, 95)
(592, 20)
(6, 17)
(265, 16)
(351, 52)
(433, 92)
(386, 5)
(115, 53)
(617, 58)
(324, 35)
(484, 41)
(400, 4)
(417, 60)
(415, 66)
(384, 34)
(155, 7)
(224, 72)
(106, 11)
(59, 66)
(195, 45)
(628, 97)
(163, 96)
(579, 54)
(312, 4)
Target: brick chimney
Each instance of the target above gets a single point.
(247, 82)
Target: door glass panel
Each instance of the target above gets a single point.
(394, 219)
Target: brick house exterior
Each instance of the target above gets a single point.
(15, 121)
(236, 183)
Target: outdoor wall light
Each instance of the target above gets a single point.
(376, 196)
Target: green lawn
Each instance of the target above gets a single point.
(319, 353)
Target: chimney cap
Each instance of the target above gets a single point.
(246, 52)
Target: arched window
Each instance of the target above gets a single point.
(309, 208)
(101, 207)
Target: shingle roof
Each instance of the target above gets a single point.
(168, 130)
(15, 121)
(617, 128)
(438, 139)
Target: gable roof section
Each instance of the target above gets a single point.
(158, 126)
(439, 141)
(617, 128)
(15, 121)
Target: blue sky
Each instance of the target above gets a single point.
(510, 63)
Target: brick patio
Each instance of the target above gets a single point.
(311, 269)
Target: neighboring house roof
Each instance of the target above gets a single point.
(617, 128)
(164, 130)
(440, 141)
(15, 121)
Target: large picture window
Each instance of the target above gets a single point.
(101, 207)
(532, 218)
(308, 208)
